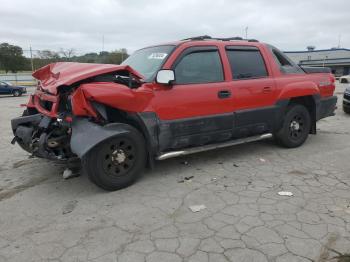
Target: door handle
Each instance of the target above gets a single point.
(267, 89)
(224, 94)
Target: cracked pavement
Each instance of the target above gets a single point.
(46, 218)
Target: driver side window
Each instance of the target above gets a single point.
(199, 67)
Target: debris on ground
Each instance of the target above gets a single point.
(69, 207)
(214, 179)
(68, 173)
(184, 163)
(235, 165)
(186, 179)
(262, 160)
(197, 208)
(285, 193)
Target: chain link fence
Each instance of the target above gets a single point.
(23, 78)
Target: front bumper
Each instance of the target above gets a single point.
(42, 136)
(326, 107)
(45, 137)
(346, 101)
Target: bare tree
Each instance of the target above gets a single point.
(67, 53)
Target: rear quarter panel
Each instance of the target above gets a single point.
(296, 85)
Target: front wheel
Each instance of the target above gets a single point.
(118, 161)
(296, 127)
(17, 93)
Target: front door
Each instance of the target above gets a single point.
(197, 108)
(3, 88)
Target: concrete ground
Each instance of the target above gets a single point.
(46, 218)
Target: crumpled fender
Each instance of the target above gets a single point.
(86, 135)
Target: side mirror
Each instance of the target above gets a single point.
(165, 76)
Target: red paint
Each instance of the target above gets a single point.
(178, 101)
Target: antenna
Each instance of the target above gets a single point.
(103, 43)
(339, 38)
(246, 32)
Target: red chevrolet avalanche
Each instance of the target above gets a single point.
(170, 100)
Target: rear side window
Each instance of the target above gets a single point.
(246, 62)
(199, 67)
(286, 65)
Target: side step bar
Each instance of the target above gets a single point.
(198, 149)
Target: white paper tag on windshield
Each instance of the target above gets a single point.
(160, 56)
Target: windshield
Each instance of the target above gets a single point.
(3, 83)
(149, 60)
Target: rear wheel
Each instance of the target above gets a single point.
(17, 93)
(344, 81)
(296, 127)
(117, 162)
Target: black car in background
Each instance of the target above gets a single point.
(346, 100)
(7, 88)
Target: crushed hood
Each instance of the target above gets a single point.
(67, 73)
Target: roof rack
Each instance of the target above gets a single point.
(207, 37)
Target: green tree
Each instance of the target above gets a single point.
(11, 58)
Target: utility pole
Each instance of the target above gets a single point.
(246, 32)
(103, 43)
(31, 58)
(339, 38)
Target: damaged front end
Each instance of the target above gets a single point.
(69, 91)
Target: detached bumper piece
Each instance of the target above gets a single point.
(42, 136)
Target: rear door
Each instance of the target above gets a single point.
(197, 108)
(253, 91)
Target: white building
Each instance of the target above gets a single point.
(338, 59)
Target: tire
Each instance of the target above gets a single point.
(344, 81)
(17, 93)
(117, 162)
(296, 127)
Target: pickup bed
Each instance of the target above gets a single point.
(170, 100)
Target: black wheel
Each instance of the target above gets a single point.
(344, 81)
(117, 162)
(17, 93)
(296, 127)
(346, 110)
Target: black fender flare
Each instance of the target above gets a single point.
(86, 135)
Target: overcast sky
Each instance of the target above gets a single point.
(132, 24)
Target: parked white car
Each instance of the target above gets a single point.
(344, 79)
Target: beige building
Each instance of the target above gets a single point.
(338, 59)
